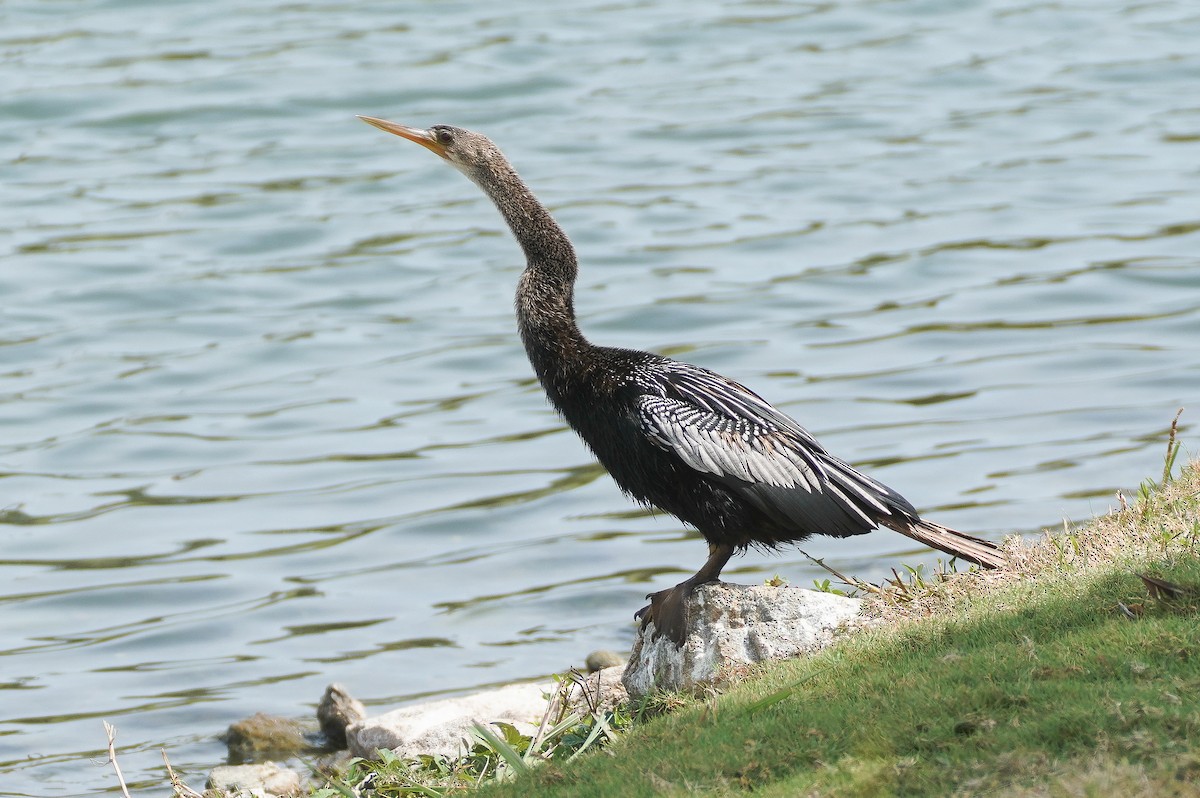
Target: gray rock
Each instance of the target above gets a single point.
(337, 710)
(267, 780)
(442, 728)
(262, 737)
(732, 625)
(599, 660)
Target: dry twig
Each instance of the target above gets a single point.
(856, 583)
(111, 731)
(181, 789)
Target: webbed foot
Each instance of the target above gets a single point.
(668, 610)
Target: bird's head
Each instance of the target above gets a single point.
(465, 149)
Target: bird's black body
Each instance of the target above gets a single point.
(626, 404)
(673, 435)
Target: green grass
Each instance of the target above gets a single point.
(1034, 682)
(1064, 674)
(962, 705)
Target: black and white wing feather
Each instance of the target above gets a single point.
(718, 427)
(729, 446)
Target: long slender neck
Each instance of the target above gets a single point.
(545, 294)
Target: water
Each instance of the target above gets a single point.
(266, 421)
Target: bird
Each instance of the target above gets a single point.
(672, 435)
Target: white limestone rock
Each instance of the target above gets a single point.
(730, 625)
(443, 728)
(267, 780)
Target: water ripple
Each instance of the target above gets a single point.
(269, 425)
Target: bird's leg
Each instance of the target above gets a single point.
(668, 608)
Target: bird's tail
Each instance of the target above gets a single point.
(981, 552)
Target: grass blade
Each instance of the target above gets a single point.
(498, 744)
(779, 695)
(599, 727)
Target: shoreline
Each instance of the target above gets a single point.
(1074, 671)
(1092, 568)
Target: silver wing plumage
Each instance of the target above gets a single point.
(719, 427)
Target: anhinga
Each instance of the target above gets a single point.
(679, 437)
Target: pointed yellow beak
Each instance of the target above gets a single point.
(422, 137)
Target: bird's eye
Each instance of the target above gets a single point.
(443, 136)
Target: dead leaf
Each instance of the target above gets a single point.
(1163, 590)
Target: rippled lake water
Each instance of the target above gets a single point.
(267, 423)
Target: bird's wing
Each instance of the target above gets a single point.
(725, 444)
(716, 426)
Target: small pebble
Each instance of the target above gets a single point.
(599, 660)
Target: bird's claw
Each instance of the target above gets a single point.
(668, 611)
